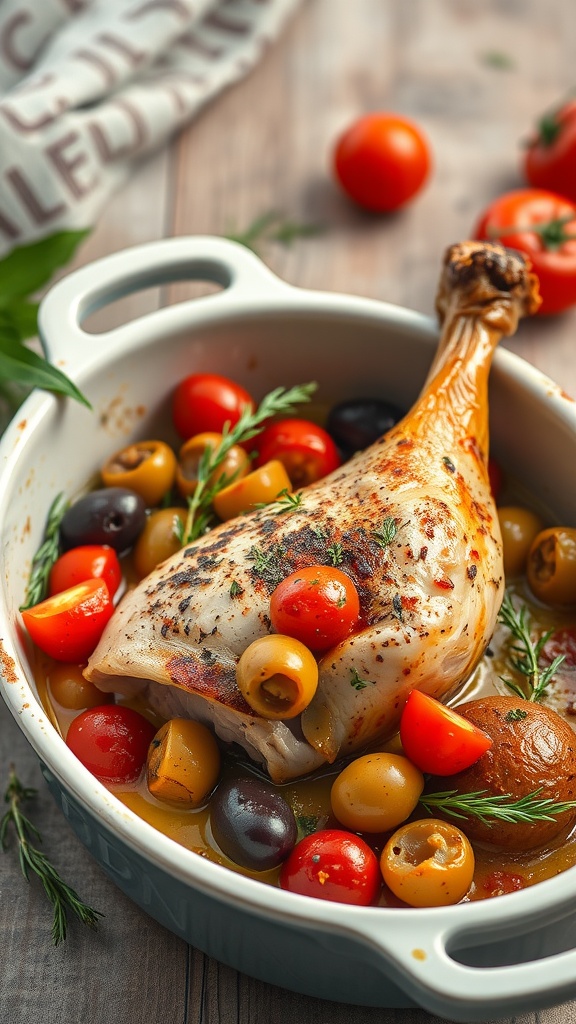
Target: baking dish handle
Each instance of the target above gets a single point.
(240, 273)
(460, 992)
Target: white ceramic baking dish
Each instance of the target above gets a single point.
(467, 963)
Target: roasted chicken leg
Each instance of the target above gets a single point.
(419, 536)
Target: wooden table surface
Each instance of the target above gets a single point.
(474, 75)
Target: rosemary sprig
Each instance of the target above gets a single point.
(280, 401)
(61, 896)
(272, 227)
(501, 807)
(46, 555)
(525, 653)
(285, 501)
(386, 533)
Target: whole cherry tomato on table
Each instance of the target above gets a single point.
(68, 625)
(318, 605)
(87, 562)
(550, 158)
(111, 741)
(333, 865)
(542, 225)
(205, 402)
(437, 739)
(382, 160)
(306, 450)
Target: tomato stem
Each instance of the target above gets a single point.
(551, 232)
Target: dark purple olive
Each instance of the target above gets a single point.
(111, 515)
(355, 424)
(252, 824)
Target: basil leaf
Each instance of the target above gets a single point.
(28, 267)
(21, 316)
(23, 366)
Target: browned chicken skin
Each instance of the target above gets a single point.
(429, 594)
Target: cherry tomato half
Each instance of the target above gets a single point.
(306, 450)
(542, 225)
(68, 625)
(550, 158)
(318, 605)
(437, 739)
(205, 402)
(333, 865)
(88, 562)
(382, 160)
(111, 741)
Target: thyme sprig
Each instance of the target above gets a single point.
(525, 653)
(500, 807)
(386, 533)
(46, 554)
(63, 898)
(281, 401)
(285, 501)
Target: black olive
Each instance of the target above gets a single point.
(252, 824)
(359, 422)
(112, 515)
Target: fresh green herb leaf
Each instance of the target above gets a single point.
(63, 898)
(319, 531)
(335, 554)
(525, 653)
(515, 715)
(498, 59)
(25, 367)
(46, 554)
(271, 227)
(235, 589)
(285, 501)
(267, 564)
(29, 267)
(502, 807)
(281, 401)
(357, 682)
(385, 535)
(306, 824)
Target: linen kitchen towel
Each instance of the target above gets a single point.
(87, 87)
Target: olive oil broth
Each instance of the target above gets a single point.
(496, 871)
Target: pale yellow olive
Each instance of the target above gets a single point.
(159, 539)
(428, 863)
(376, 792)
(71, 690)
(277, 676)
(519, 527)
(183, 763)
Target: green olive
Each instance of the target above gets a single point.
(519, 527)
(376, 792)
(71, 690)
(146, 467)
(159, 539)
(183, 763)
(428, 863)
(551, 568)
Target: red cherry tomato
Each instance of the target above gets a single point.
(542, 225)
(68, 625)
(111, 741)
(333, 865)
(550, 158)
(319, 606)
(307, 452)
(88, 562)
(205, 402)
(382, 160)
(437, 739)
